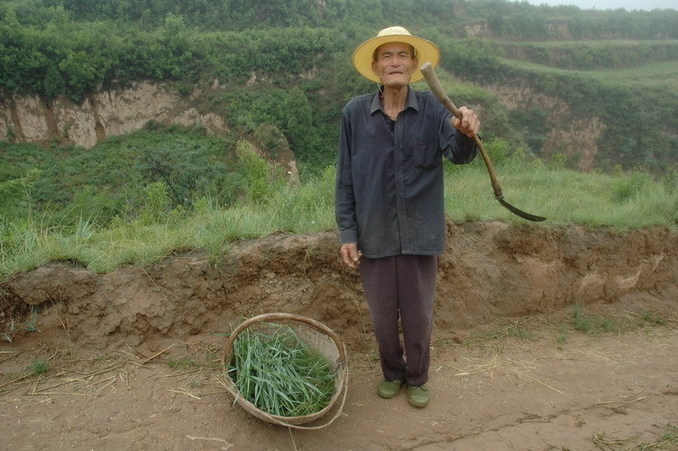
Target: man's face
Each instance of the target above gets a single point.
(394, 64)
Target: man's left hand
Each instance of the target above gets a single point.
(469, 124)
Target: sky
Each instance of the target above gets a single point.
(630, 5)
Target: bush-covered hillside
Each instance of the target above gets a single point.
(615, 65)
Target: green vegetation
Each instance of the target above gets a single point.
(280, 373)
(597, 324)
(592, 324)
(591, 55)
(579, 321)
(502, 332)
(113, 206)
(613, 95)
(38, 368)
(75, 47)
(667, 441)
(139, 198)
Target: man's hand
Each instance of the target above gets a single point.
(350, 255)
(469, 124)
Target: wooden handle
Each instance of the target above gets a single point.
(437, 90)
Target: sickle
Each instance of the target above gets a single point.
(439, 92)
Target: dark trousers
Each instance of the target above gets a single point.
(402, 288)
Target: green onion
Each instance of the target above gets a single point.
(280, 373)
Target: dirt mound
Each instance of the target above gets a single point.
(489, 270)
(185, 304)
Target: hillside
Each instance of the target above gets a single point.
(559, 82)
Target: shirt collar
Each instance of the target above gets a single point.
(410, 102)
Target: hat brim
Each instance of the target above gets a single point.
(426, 51)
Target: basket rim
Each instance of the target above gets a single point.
(341, 371)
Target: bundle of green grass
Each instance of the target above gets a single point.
(281, 374)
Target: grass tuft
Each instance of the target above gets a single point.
(600, 324)
(38, 368)
(502, 332)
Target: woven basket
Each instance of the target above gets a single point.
(319, 337)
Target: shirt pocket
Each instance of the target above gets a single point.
(425, 155)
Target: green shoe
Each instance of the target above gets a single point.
(389, 389)
(418, 396)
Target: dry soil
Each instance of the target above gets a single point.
(131, 359)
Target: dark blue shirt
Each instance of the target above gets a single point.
(389, 186)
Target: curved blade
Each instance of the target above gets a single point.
(437, 89)
(521, 213)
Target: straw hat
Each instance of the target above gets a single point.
(364, 54)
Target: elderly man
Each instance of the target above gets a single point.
(389, 200)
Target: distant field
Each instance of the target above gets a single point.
(622, 43)
(626, 62)
(663, 75)
(657, 75)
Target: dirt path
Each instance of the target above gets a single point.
(131, 359)
(582, 392)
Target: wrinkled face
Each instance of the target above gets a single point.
(394, 64)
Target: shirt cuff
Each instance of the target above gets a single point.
(348, 236)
